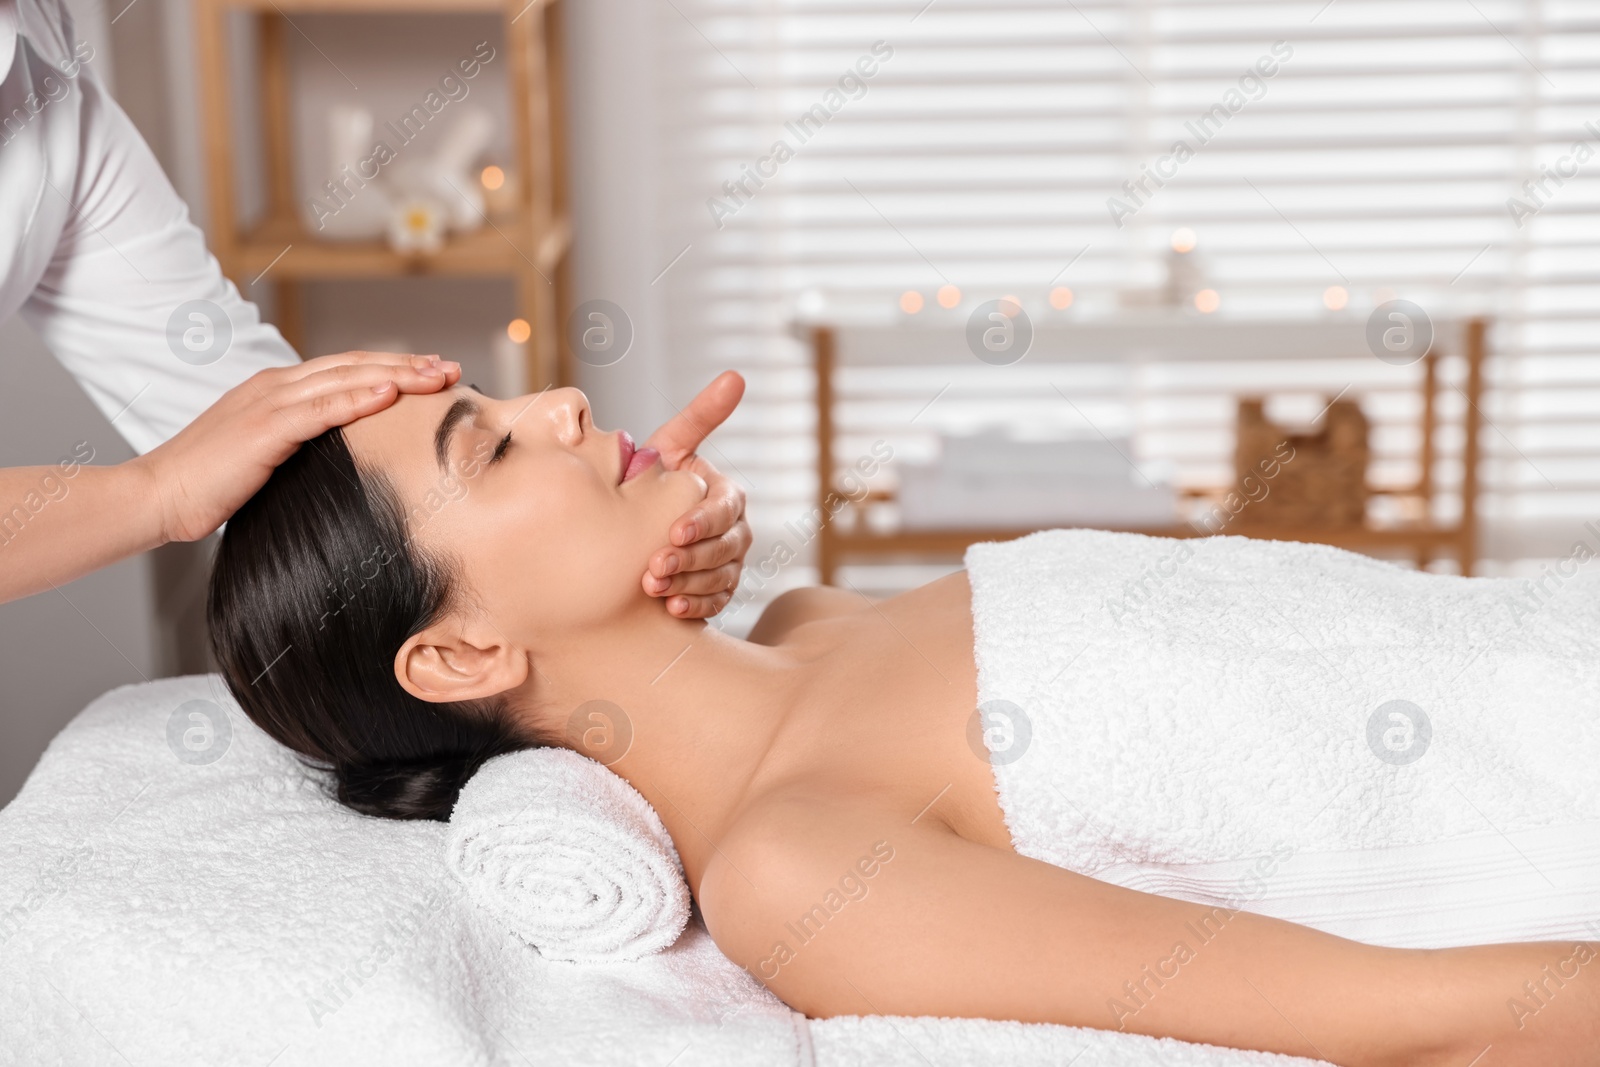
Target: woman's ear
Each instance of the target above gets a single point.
(455, 660)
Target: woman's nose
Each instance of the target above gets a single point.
(569, 409)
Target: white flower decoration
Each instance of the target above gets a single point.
(417, 225)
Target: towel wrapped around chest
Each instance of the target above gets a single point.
(1295, 730)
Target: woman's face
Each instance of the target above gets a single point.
(550, 538)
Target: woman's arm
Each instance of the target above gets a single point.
(59, 523)
(841, 909)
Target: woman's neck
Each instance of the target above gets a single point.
(682, 711)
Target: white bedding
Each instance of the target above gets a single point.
(1396, 757)
(154, 911)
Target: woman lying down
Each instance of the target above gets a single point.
(1172, 740)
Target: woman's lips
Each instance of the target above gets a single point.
(634, 460)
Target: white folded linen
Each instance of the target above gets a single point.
(1392, 756)
(569, 857)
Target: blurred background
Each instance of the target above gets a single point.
(1319, 270)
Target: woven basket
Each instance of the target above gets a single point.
(1321, 483)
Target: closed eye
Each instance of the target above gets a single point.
(500, 449)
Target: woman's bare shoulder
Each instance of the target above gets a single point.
(799, 606)
(790, 864)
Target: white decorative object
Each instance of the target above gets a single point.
(1186, 276)
(449, 175)
(499, 198)
(510, 365)
(417, 224)
(350, 206)
(991, 479)
(375, 189)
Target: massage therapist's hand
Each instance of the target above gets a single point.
(699, 570)
(216, 463)
(63, 521)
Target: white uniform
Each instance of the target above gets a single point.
(97, 250)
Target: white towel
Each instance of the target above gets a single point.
(895, 1041)
(1392, 756)
(157, 911)
(569, 857)
(154, 910)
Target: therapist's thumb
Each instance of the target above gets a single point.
(680, 435)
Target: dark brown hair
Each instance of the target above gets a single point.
(315, 586)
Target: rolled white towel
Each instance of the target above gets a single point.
(569, 856)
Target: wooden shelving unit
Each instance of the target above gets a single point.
(531, 245)
(1424, 538)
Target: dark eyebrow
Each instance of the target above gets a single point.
(464, 408)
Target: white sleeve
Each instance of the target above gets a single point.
(116, 304)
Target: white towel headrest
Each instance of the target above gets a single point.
(569, 856)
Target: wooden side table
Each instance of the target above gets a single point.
(1154, 338)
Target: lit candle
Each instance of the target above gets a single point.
(499, 191)
(510, 351)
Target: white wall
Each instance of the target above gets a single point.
(615, 129)
(61, 649)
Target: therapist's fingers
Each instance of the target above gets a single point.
(704, 555)
(207, 470)
(680, 435)
(331, 376)
(698, 607)
(709, 543)
(294, 372)
(708, 582)
(721, 509)
(421, 375)
(342, 395)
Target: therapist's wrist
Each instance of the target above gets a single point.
(147, 503)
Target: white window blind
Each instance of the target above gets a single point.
(1443, 151)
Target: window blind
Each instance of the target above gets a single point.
(1327, 156)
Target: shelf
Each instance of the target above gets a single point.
(285, 249)
(1132, 338)
(529, 245)
(371, 7)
